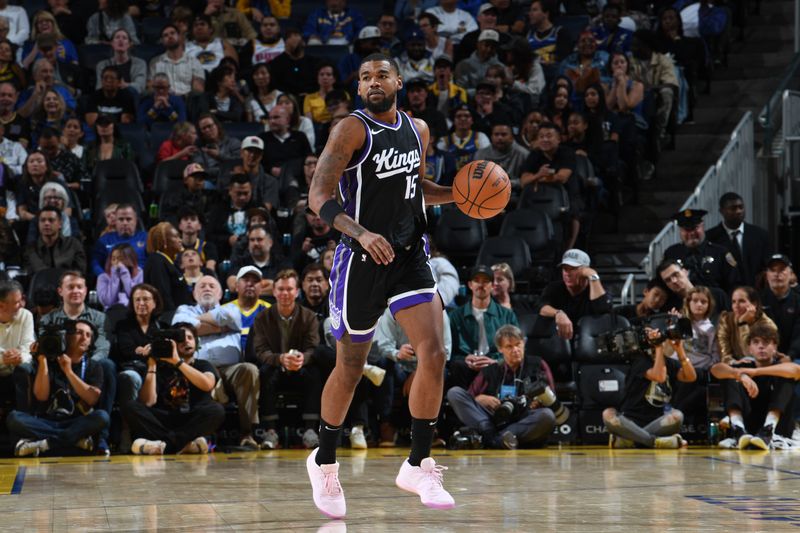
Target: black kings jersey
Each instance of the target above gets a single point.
(380, 187)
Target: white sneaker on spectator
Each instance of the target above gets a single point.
(26, 447)
(85, 444)
(375, 374)
(672, 442)
(270, 440)
(425, 481)
(325, 488)
(357, 440)
(148, 447)
(197, 446)
(310, 439)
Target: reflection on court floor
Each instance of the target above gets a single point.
(584, 489)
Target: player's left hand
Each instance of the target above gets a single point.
(378, 248)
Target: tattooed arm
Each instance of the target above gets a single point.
(347, 137)
(434, 194)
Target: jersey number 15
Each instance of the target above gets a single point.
(411, 186)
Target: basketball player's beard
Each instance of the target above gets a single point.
(380, 107)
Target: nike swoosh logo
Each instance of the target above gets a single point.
(375, 132)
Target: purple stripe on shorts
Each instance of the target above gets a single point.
(410, 301)
(426, 245)
(361, 338)
(341, 258)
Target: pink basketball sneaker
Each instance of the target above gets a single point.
(328, 493)
(425, 480)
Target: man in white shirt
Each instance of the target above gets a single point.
(16, 337)
(12, 153)
(207, 49)
(18, 25)
(185, 73)
(455, 23)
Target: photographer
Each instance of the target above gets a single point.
(497, 403)
(72, 290)
(175, 410)
(67, 386)
(758, 392)
(642, 418)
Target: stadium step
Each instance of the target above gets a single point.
(618, 245)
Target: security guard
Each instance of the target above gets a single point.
(708, 264)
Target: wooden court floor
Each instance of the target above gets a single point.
(582, 489)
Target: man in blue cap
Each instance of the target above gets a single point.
(416, 62)
(708, 264)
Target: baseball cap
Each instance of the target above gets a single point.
(253, 142)
(369, 32)
(489, 35)
(779, 258)
(486, 7)
(481, 269)
(250, 269)
(689, 218)
(194, 168)
(415, 35)
(444, 58)
(575, 258)
(416, 83)
(104, 120)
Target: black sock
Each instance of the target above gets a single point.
(328, 440)
(421, 439)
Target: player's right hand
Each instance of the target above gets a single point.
(377, 247)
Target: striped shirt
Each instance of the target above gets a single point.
(180, 72)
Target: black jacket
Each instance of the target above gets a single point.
(756, 249)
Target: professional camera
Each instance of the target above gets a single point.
(511, 408)
(540, 391)
(629, 342)
(52, 342)
(160, 347)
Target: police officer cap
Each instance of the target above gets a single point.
(689, 218)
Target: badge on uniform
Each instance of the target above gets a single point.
(363, 258)
(508, 390)
(731, 260)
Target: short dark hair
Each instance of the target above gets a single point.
(8, 286)
(764, 332)
(192, 329)
(240, 179)
(52, 208)
(665, 264)
(547, 125)
(169, 25)
(313, 267)
(69, 327)
(378, 56)
(259, 226)
(500, 123)
(288, 273)
(656, 283)
(189, 211)
(49, 133)
(547, 6)
(729, 197)
(202, 17)
(110, 68)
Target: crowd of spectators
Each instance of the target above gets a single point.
(156, 159)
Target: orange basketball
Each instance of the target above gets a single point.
(481, 189)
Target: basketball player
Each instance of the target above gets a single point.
(377, 158)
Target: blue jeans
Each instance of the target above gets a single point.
(109, 391)
(59, 433)
(129, 383)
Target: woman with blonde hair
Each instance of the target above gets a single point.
(181, 143)
(45, 23)
(503, 284)
(53, 113)
(160, 271)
